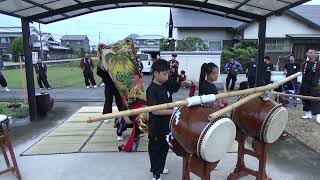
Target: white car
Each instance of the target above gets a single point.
(146, 61)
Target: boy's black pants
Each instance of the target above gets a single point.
(233, 78)
(43, 78)
(110, 90)
(251, 81)
(158, 149)
(88, 76)
(3, 81)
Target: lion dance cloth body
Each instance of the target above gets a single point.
(119, 61)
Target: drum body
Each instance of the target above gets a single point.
(4, 121)
(261, 119)
(192, 130)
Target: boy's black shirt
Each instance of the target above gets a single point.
(251, 69)
(208, 88)
(159, 94)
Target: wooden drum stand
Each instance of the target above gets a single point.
(260, 152)
(5, 142)
(197, 166)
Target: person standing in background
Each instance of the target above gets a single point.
(41, 71)
(268, 67)
(251, 72)
(86, 64)
(232, 68)
(3, 81)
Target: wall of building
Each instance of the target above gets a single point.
(207, 34)
(279, 27)
(77, 45)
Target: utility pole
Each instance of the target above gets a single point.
(99, 37)
(41, 50)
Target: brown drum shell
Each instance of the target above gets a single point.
(177, 149)
(251, 116)
(192, 121)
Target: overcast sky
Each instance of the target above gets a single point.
(112, 24)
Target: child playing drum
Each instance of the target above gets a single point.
(159, 92)
(208, 75)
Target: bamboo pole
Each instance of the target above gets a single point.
(297, 96)
(233, 106)
(132, 112)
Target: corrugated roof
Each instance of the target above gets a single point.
(190, 18)
(74, 37)
(48, 11)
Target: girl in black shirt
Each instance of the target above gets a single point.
(209, 73)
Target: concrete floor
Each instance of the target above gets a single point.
(287, 159)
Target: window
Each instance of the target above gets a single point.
(278, 45)
(78, 42)
(4, 40)
(67, 42)
(215, 45)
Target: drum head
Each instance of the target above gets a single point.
(216, 140)
(275, 124)
(3, 117)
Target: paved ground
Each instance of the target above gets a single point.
(287, 159)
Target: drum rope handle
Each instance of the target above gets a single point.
(205, 99)
(231, 107)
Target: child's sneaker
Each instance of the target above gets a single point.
(165, 171)
(7, 89)
(88, 87)
(156, 177)
(95, 86)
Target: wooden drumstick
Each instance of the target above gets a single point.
(313, 98)
(230, 107)
(185, 102)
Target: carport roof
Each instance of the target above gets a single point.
(48, 11)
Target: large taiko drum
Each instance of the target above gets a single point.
(192, 130)
(262, 119)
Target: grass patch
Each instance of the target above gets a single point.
(64, 75)
(21, 112)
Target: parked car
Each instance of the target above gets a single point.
(146, 61)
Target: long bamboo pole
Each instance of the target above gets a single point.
(229, 108)
(297, 96)
(132, 112)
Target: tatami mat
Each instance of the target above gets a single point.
(76, 135)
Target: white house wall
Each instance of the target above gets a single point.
(206, 34)
(279, 27)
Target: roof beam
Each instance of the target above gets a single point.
(77, 1)
(103, 2)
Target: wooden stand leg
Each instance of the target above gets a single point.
(260, 152)
(14, 161)
(5, 155)
(5, 142)
(202, 168)
(185, 168)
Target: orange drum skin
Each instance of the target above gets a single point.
(252, 116)
(191, 122)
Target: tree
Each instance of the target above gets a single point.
(192, 44)
(164, 44)
(17, 46)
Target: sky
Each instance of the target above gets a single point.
(112, 25)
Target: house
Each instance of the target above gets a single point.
(216, 31)
(76, 42)
(292, 32)
(46, 40)
(148, 43)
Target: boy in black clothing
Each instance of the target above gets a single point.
(251, 72)
(158, 92)
(268, 67)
